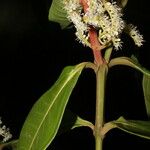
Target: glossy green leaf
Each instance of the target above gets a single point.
(58, 14)
(45, 117)
(146, 90)
(128, 62)
(138, 128)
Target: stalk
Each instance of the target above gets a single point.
(101, 72)
(100, 95)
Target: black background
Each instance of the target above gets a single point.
(33, 51)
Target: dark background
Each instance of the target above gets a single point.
(33, 51)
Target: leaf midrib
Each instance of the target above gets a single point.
(67, 80)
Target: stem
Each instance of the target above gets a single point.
(95, 46)
(101, 72)
(98, 60)
(99, 116)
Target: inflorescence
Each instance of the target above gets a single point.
(4, 132)
(105, 17)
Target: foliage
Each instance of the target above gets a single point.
(48, 111)
(99, 29)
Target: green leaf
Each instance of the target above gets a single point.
(135, 127)
(82, 123)
(128, 62)
(71, 120)
(146, 90)
(58, 14)
(45, 117)
(146, 77)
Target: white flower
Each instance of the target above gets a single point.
(94, 12)
(4, 132)
(71, 5)
(117, 43)
(73, 9)
(115, 15)
(135, 35)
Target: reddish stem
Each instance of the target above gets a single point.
(93, 38)
(96, 46)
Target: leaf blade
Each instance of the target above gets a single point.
(128, 62)
(146, 91)
(58, 14)
(44, 119)
(135, 127)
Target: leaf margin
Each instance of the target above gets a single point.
(78, 69)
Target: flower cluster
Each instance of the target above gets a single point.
(105, 17)
(4, 132)
(135, 35)
(74, 11)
